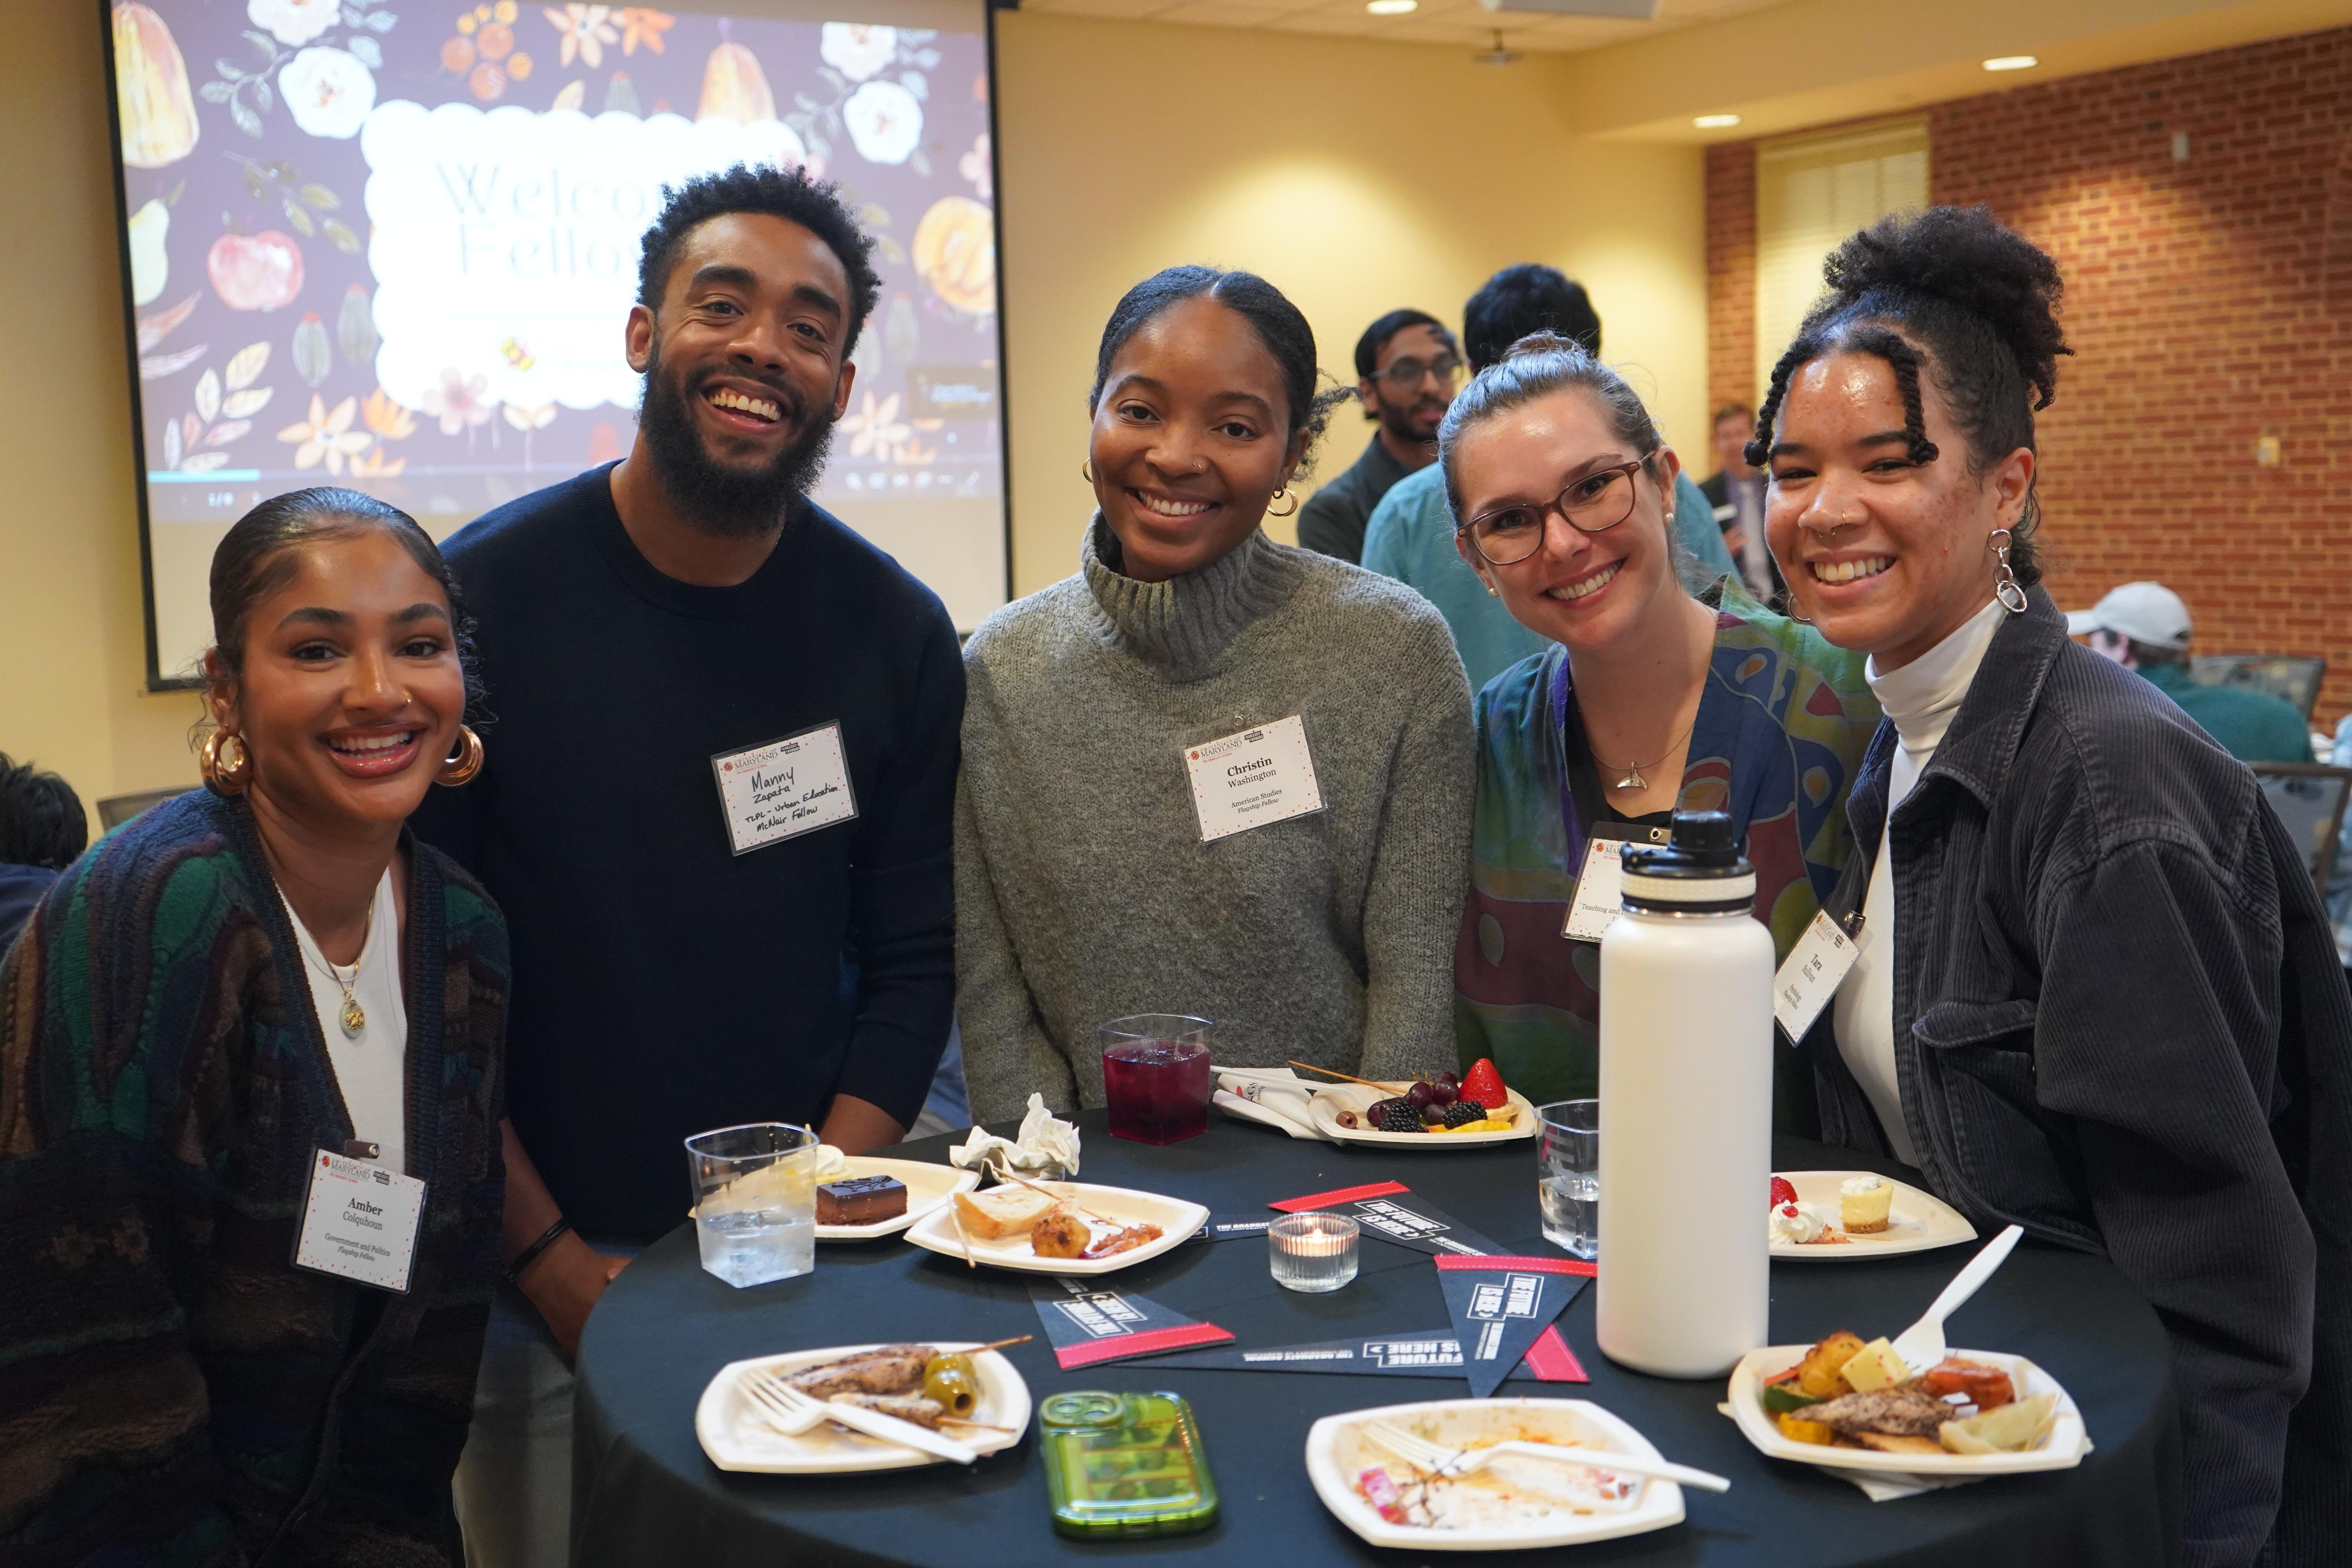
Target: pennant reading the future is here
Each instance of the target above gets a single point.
(1089, 1326)
(1391, 1211)
(1500, 1305)
(1433, 1353)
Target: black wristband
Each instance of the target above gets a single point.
(530, 1254)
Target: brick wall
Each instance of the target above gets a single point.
(2209, 303)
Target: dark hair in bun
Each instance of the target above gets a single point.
(1949, 287)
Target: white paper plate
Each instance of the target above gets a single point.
(1176, 1219)
(1919, 1222)
(2062, 1450)
(1337, 1451)
(928, 1186)
(1326, 1122)
(732, 1432)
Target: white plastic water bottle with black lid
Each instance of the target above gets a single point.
(1686, 1108)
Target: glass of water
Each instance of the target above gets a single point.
(1568, 1171)
(755, 1201)
(1312, 1253)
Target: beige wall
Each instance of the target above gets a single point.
(1356, 176)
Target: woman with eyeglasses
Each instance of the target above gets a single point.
(1209, 775)
(1650, 700)
(252, 1068)
(2095, 994)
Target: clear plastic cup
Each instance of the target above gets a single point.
(1312, 1253)
(1156, 1079)
(1568, 1171)
(755, 1201)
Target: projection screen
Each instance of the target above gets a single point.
(393, 244)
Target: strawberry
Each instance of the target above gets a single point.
(1783, 1193)
(1483, 1084)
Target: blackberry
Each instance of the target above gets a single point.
(1395, 1116)
(1462, 1113)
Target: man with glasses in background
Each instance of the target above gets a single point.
(1407, 369)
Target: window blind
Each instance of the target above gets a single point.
(1811, 193)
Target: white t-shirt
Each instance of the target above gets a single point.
(1922, 699)
(371, 1070)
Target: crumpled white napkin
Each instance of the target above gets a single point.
(1279, 1098)
(1047, 1143)
(1886, 1486)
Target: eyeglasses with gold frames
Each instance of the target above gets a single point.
(1592, 502)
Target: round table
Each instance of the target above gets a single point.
(645, 1494)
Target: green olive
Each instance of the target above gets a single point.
(951, 1380)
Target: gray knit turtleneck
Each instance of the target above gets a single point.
(1083, 889)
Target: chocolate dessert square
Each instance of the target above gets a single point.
(861, 1200)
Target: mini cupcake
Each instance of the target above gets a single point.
(1863, 1203)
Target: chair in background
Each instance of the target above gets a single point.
(117, 809)
(2295, 678)
(2309, 799)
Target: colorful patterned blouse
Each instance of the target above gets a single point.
(1782, 723)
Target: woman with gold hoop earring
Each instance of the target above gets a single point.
(246, 1003)
(2096, 993)
(1210, 773)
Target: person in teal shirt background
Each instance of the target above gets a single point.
(1411, 534)
(2144, 626)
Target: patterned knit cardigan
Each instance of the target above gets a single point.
(170, 1386)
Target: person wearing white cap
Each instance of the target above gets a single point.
(2144, 626)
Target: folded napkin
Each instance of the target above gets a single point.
(1047, 1148)
(1276, 1097)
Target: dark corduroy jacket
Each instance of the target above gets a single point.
(2121, 1024)
(171, 1388)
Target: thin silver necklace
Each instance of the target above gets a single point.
(1630, 776)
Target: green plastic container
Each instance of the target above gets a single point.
(1125, 1465)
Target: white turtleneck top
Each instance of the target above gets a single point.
(1921, 698)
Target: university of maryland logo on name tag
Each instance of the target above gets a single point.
(782, 789)
(1247, 780)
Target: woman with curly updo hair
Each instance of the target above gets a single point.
(2097, 995)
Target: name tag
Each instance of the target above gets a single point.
(1248, 780)
(784, 788)
(360, 1223)
(1600, 887)
(1816, 966)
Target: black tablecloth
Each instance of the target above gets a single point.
(645, 1494)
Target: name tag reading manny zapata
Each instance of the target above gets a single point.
(782, 789)
(1245, 781)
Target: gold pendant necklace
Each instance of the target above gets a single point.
(351, 1015)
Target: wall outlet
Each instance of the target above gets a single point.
(2267, 453)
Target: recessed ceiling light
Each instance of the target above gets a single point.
(1392, 8)
(1715, 122)
(2012, 62)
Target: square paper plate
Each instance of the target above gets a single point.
(1176, 1219)
(928, 1186)
(1357, 1098)
(1337, 1451)
(1919, 1222)
(733, 1433)
(2062, 1450)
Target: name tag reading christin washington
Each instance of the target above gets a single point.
(782, 789)
(1260, 775)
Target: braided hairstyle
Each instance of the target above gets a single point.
(1951, 290)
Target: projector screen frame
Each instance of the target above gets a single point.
(158, 681)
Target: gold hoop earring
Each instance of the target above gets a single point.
(1277, 495)
(1086, 470)
(2005, 585)
(461, 768)
(225, 778)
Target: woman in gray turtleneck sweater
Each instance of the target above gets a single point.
(1085, 887)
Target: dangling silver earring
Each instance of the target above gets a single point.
(2005, 585)
(1800, 620)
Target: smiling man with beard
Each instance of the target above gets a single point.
(717, 815)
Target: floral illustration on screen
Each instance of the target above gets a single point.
(326, 436)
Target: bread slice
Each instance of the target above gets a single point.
(1002, 1211)
(1892, 1443)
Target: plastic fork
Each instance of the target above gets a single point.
(793, 1412)
(1921, 1345)
(1440, 1459)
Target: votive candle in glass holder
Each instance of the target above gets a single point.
(1312, 1253)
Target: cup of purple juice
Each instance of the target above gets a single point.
(1156, 1077)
